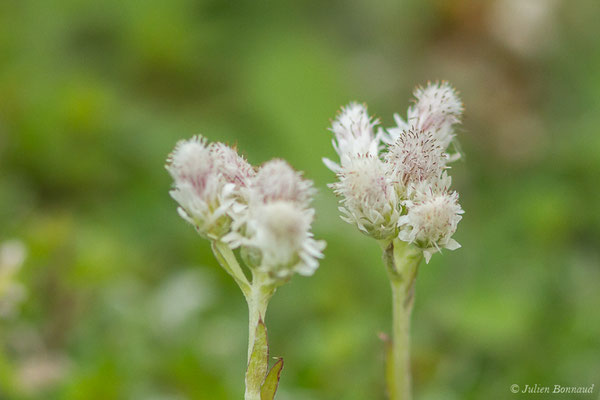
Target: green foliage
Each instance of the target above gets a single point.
(269, 387)
(260, 383)
(259, 360)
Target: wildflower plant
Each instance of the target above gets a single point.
(261, 216)
(393, 186)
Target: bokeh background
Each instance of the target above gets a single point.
(125, 301)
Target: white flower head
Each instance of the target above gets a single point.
(431, 220)
(403, 192)
(354, 135)
(275, 228)
(204, 194)
(415, 156)
(437, 109)
(280, 231)
(369, 199)
(420, 190)
(277, 180)
(234, 167)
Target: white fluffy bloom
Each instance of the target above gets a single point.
(280, 232)
(435, 185)
(275, 228)
(415, 156)
(234, 168)
(402, 192)
(202, 190)
(432, 218)
(12, 255)
(369, 199)
(394, 184)
(437, 109)
(354, 135)
(277, 180)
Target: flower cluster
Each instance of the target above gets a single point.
(393, 182)
(266, 211)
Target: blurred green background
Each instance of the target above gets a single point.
(125, 301)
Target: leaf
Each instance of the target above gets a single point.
(228, 261)
(259, 359)
(269, 388)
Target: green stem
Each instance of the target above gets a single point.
(257, 294)
(402, 261)
(228, 261)
(258, 299)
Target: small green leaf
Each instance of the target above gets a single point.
(269, 388)
(228, 261)
(257, 366)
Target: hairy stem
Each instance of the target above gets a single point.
(257, 294)
(228, 261)
(258, 300)
(402, 261)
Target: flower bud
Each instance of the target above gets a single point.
(277, 180)
(437, 109)
(415, 156)
(234, 168)
(368, 198)
(431, 220)
(354, 135)
(202, 191)
(274, 231)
